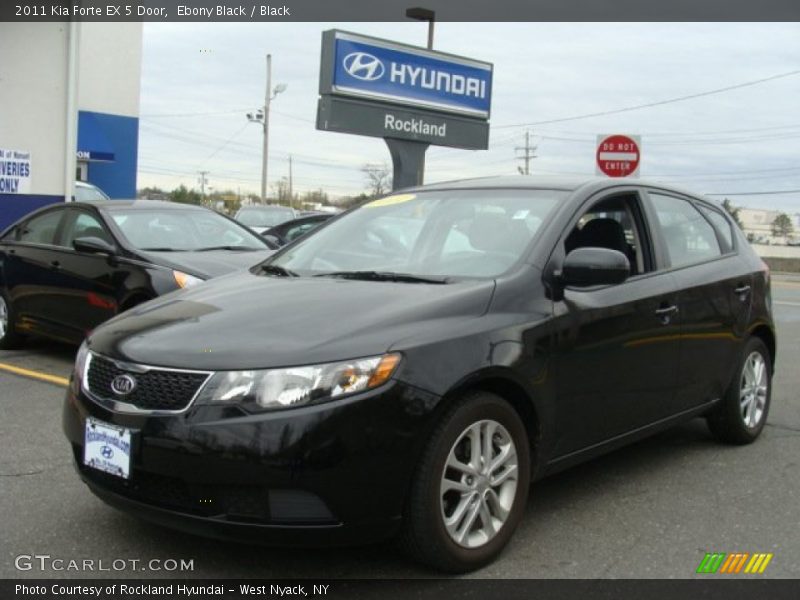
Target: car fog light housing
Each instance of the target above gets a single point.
(272, 389)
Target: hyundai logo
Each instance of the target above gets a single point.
(107, 452)
(122, 385)
(363, 66)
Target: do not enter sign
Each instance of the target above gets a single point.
(618, 155)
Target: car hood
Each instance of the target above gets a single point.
(211, 263)
(247, 321)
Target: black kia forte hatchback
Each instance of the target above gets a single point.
(407, 369)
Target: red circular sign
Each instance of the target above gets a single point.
(618, 156)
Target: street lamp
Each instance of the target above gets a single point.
(262, 116)
(423, 14)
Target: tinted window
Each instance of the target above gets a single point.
(689, 237)
(298, 230)
(41, 229)
(84, 225)
(721, 223)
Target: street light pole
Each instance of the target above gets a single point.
(262, 117)
(423, 14)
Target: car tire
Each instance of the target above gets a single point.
(742, 413)
(439, 491)
(9, 338)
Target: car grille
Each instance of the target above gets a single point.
(156, 389)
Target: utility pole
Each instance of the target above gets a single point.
(203, 180)
(528, 154)
(262, 117)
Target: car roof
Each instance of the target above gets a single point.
(550, 182)
(142, 205)
(265, 207)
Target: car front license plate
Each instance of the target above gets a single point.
(107, 448)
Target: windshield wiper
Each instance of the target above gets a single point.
(383, 276)
(278, 270)
(225, 248)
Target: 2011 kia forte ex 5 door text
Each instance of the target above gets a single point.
(407, 369)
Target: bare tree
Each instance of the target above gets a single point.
(379, 181)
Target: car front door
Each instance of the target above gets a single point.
(715, 293)
(91, 282)
(616, 346)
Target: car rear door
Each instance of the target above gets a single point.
(715, 292)
(616, 346)
(29, 270)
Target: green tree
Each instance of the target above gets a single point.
(782, 226)
(733, 211)
(186, 196)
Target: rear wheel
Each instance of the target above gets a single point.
(471, 487)
(9, 338)
(742, 414)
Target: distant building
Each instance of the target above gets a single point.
(757, 224)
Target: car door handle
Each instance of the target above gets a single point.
(666, 310)
(742, 289)
(55, 264)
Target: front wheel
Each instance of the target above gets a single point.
(9, 338)
(471, 488)
(742, 413)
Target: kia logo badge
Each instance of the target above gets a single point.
(122, 385)
(363, 66)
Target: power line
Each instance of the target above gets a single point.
(657, 103)
(529, 153)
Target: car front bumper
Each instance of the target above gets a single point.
(335, 473)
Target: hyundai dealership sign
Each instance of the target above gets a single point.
(383, 70)
(381, 88)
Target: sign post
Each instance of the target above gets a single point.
(618, 155)
(411, 97)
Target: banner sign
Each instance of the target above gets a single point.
(15, 172)
(375, 69)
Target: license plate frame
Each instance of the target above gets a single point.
(107, 447)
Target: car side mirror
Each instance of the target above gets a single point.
(273, 242)
(93, 245)
(586, 267)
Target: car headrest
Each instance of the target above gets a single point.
(603, 233)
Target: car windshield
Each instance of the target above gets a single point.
(89, 193)
(264, 217)
(458, 233)
(182, 230)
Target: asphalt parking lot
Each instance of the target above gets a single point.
(650, 510)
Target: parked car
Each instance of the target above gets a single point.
(66, 268)
(261, 218)
(424, 357)
(86, 192)
(284, 233)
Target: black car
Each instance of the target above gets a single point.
(67, 268)
(282, 234)
(408, 369)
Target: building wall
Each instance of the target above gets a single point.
(33, 99)
(33, 79)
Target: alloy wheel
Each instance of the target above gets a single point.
(3, 317)
(479, 483)
(753, 389)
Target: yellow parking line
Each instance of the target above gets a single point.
(63, 381)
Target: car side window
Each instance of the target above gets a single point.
(298, 230)
(41, 229)
(614, 223)
(83, 225)
(689, 237)
(721, 223)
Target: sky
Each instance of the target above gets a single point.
(200, 80)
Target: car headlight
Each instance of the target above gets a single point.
(272, 389)
(80, 365)
(184, 280)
